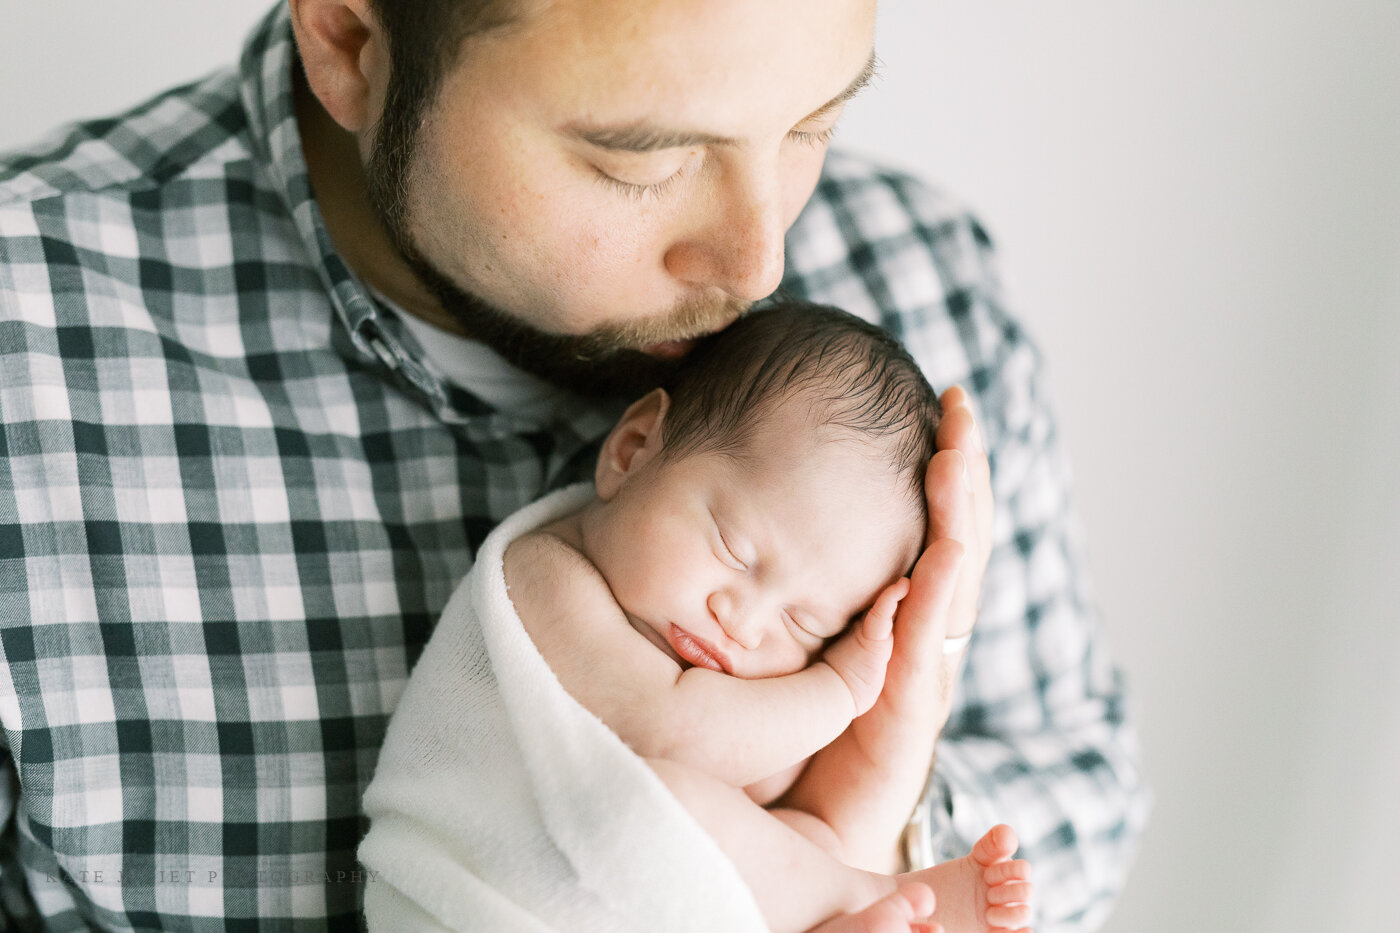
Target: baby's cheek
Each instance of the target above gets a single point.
(797, 657)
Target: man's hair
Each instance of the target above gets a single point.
(851, 375)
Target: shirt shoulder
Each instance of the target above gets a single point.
(150, 247)
(180, 132)
(902, 253)
(887, 230)
(125, 211)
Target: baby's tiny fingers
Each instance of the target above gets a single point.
(879, 621)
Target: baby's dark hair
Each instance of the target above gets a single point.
(854, 377)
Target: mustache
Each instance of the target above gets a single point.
(692, 318)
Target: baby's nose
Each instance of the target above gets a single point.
(736, 618)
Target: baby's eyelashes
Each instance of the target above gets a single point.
(807, 631)
(726, 553)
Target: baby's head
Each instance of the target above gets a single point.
(752, 511)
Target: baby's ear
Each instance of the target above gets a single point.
(632, 443)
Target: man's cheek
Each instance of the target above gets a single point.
(602, 254)
(632, 243)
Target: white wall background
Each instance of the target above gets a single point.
(1198, 205)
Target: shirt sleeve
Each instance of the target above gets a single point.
(1039, 736)
(17, 911)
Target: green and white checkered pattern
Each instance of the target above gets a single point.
(233, 500)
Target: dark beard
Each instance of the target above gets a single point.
(585, 364)
(597, 364)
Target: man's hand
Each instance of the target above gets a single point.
(866, 783)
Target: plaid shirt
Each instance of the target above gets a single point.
(234, 498)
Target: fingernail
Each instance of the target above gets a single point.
(967, 483)
(976, 428)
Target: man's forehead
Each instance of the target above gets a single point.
(691, 55)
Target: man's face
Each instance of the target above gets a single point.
(619, 174)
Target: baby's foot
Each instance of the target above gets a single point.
(861, 655)
(905, 911)
(985, 891)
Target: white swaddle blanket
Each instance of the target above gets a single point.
(500, 804)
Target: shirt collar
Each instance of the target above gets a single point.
(265, 84)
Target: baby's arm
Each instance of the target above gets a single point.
(736, 730)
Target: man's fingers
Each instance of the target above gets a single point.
(959, 431)
(947, 487)
(959, 493)
(952, 514)
(923, 614)
(959, 427)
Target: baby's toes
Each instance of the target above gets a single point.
(1008, 916)
(998, 845)
(1002, 872)
(1013, 892)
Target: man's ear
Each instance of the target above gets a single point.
(632, 443)
(345, 57)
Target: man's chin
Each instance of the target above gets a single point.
(578, 364)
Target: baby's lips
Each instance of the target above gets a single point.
(697, 651)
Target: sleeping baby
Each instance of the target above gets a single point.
(722, 599)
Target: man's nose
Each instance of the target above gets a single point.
(736, 617)
(737, 243)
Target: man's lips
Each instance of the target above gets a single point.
(697, 651)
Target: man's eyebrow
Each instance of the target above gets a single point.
(642, 136)
(645, 137)
(861, 82)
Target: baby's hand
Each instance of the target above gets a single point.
(861, 655)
